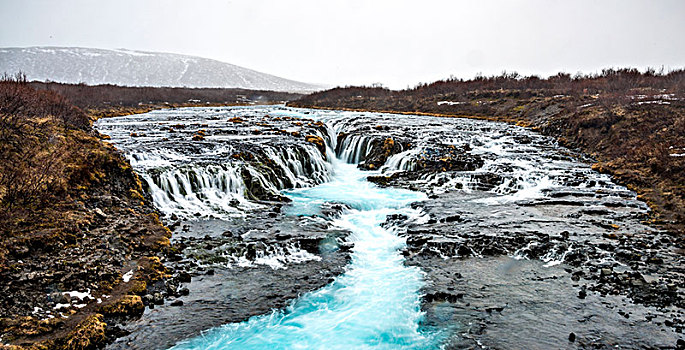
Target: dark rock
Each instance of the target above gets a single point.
(582, 293)
(184, 277)
(494, 309)
(443, 296)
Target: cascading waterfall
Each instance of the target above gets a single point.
(193, 175)
(301, 167)
(374, 304)
(354, 148)
(210, 190)
(403, 161)
(217, 190)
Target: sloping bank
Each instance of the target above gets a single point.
(79, 242)
(634, 131)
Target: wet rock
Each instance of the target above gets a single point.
(158, 298)
(379, 151)
(318, 141)
(582, 293)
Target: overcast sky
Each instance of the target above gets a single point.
(395, 42)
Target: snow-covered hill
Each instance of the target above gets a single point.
(137, 68)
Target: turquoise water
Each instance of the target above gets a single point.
(375, 304)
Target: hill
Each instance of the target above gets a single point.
(137, 68)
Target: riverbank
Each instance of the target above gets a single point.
(80, 241)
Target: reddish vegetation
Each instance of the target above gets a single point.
(631, 122)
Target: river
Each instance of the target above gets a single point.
(305, 252)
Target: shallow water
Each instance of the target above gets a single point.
(374, 304)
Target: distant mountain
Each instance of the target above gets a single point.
(137, 68)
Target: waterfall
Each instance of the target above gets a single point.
(403, 161)
(353, 149)
(198, 190)
(221, 188)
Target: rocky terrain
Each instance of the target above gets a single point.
(79, 240)
(83, 249)
(217, 175)
(547, 207)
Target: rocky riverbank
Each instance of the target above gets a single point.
(232, 270)
(80, 242)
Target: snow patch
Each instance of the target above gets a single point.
(127, 276)
(79, 295)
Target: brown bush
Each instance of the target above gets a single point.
(32, 143)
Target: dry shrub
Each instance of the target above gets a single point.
(33, 144)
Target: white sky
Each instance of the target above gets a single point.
(395, 42)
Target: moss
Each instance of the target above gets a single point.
(127, 306)
(28, 326)
(152, 268)
(161, 242)
(136, 195)
(138, 287)
(89, 334)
